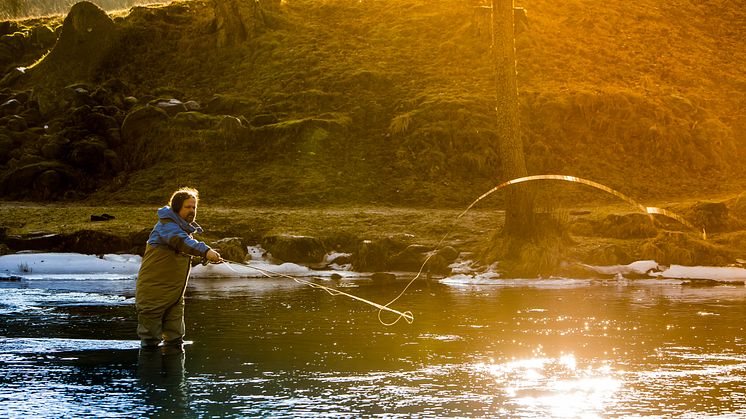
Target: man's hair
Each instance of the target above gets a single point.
(181, 195)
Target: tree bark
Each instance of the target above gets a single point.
(519, 208)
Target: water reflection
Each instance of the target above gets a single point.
(275, 348)
(161, 375)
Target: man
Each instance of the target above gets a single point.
(163, 276)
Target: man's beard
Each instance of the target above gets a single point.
(190, 217)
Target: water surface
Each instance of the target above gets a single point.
(272, 347)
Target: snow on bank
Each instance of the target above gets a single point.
(78, 266)
(74, 266)
(649, 269)
(68, 266)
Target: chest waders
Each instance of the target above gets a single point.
(159, 296)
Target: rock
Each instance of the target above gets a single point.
(138, 241)
(6, 147)
(21, 182)
(410, 259)
(88, 154)
(86, 38)
(264, 119)
(13, 76)
(626, 226)
(606, 255)
(232, 128)
(16, 123)
(94, 242)
(171, 106)
(8, 27)
(78, 95)
(712, 216)
(231, 248)
(679, 248)
(370, 256)
(141, 122)
(130, 102)
(4, 249)
(383, 278)
(97, 123)
(10, 107)
(39, 242)
(232, 105)
(48, 183)
(295, 249)
(448, 253)
(43, 36)
(195, 120)
(192, 105)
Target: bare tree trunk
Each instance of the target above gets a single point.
(519, 210)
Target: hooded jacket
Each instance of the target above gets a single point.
(172, 231)
(165, 268)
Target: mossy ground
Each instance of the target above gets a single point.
(385, 112)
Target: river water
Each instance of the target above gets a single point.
(275, 348)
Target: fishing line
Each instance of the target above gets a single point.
(647, 210)
(406, 315)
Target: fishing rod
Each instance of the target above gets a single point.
(406, 315)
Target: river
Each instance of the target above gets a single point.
(275, 348)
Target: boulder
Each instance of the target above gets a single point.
(626, 226)
(370, 256)
(195, 120)
(10, 107)
(712, 216)
(231, 248)
(94, 242)
(138, 240)
(55, 147)
(232, 105)
(39, 242)
(264, 119)
(141, 122)
(16, 123)
(87, 37)
(295, 249)
(21, 182)
(171, 106)
(88, 154)
(6, 147)
(43, 36)
(410, 259)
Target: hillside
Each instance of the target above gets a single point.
(382, 102)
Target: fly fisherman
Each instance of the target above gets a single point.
(163, 276)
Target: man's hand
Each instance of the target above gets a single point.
(213, 256)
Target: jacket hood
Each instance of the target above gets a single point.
(167, 213)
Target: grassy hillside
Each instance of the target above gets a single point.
(391, 102)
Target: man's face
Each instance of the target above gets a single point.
(188, 209)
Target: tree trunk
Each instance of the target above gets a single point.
(519, 209)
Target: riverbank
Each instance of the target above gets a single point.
(377, 238)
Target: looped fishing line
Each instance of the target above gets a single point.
(407, 315)
(648, 210)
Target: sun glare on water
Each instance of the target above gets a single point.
(554, 386)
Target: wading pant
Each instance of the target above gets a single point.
(159, 296)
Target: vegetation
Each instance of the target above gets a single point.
(382, 103)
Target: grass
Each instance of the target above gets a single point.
(387, 107)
